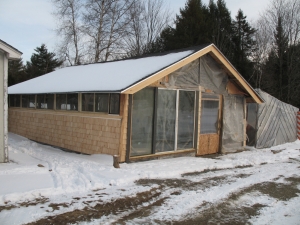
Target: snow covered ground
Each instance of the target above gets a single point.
(259, 186)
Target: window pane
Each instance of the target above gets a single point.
(28, 101)
(209, 117)
(165, 123)
(40, 101)
(49, 101)
(114, 104)
(142, 122)
(61, 101)
(72, 101)
(14, 100)
(186, 107)
(88, 102)
(101, 102)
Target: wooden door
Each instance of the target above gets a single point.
(210, 125)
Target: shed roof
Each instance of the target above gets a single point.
(125, 76)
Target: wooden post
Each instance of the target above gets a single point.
(116, 161)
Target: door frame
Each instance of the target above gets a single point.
(153, 153)
(220, 118)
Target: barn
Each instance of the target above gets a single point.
(185, 102)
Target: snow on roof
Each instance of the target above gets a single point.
(102, 77)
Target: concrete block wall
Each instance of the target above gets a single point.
(89, 133)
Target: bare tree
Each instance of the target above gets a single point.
(147, 20)
(102, 30)
(280, 24)
(68, 15)
(105, 25)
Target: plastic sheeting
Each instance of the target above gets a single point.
(233, 126)
(207, 73)
(211, 76)
(271, 123)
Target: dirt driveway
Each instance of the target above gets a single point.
(240, 195)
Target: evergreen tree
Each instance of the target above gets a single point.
(221, 27)
(243, 45)
(41, 62)
(16, 72)
(280, 67)
(191, 27)
(277, 67)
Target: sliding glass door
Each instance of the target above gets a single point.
(165, 120)
(186, 120)
(142, 122)
(162, 120)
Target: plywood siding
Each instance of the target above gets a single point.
(208, 144)
(89, 133)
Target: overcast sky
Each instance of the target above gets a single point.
(26, 24)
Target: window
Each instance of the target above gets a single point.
(28, 101)
(114, 104)
(67, 102)
(101, 102)
(14, 100)
(87, 102)
(209, 114)
(61, 101)
(72, 102)
(45, 101)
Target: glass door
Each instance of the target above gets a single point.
(186, 120)
(209, 138)
(142, 122)
(165, 120)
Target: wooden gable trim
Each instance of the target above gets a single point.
(236, 74)
(172, 68)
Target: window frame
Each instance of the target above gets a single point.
(108, 103)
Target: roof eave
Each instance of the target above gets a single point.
(12, 53)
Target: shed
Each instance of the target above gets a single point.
(7, 52)
(271, 123)
(188, 101)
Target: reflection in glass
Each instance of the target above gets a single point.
(186, 120)
(101, 102)
(165, 123)
(87, 102)
(142, 122)
(72, 101)
(28, 101)
(209, 117)
(14, 100)
(40, 99)
(114, 105)
(45, 101)
(49, 101)
(61, 101)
